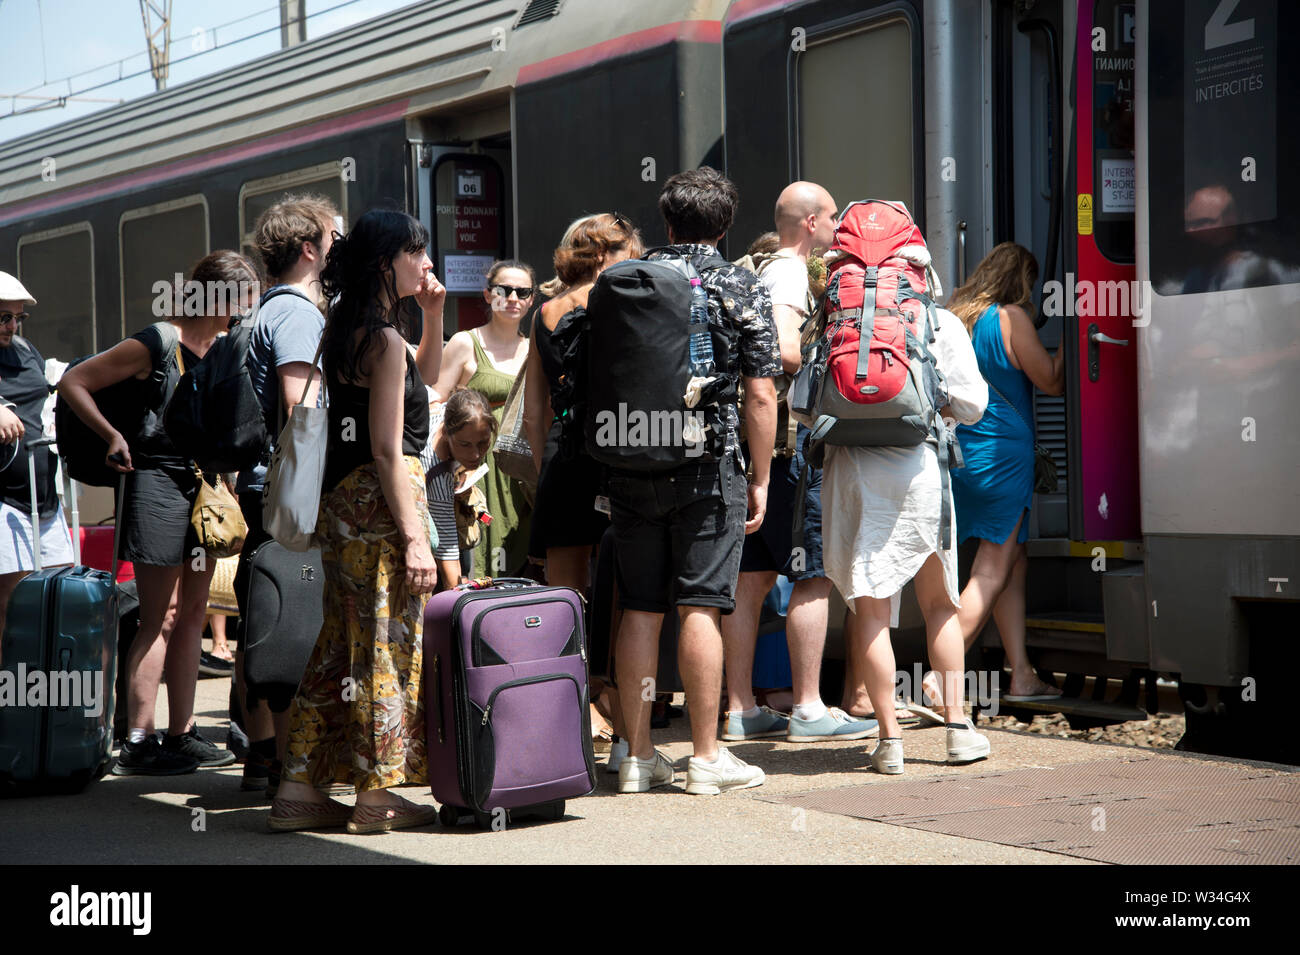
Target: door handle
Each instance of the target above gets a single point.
(1106, 339)
(1095, 340)
(961, 253)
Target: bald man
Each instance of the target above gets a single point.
(805, 223)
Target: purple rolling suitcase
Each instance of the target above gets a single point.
(505, 684)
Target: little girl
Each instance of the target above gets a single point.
(461, 434)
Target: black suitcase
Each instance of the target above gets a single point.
(58, 662)
(286, 591)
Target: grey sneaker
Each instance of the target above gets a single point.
(729, 772)
(887, 757)
(642, 775)
(767, 723)
(965, 745)
(834, 724)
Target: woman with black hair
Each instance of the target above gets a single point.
(358, 716)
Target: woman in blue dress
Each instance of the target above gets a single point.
(993, 492)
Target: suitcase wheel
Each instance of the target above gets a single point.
(449, 816)
(557, 809)
(484, 819)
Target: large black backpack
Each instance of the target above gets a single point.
(638, 368)
(127, 405)
(214, 417)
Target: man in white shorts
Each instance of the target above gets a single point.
(23, 390)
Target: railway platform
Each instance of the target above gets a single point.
(1037, 800)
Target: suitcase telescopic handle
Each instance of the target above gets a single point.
(36, 517)
(507, 583)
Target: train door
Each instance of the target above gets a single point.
(463, 195)
(1101, 293)
(1027, 192)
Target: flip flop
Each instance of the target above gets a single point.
(902, 713)
(924, 715)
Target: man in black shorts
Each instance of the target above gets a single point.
(678, 533)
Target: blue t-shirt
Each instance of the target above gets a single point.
(288, 329)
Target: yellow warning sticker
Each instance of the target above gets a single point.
(1085, 213)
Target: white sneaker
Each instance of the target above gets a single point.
(887, 757)
(729, 772)
(642, 775)
(965, 745)
(617, 753)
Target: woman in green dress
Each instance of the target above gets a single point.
(487, 359)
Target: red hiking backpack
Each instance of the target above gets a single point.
(869, 378)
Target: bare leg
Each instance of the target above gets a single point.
(159, 589)
(869, 623)
(637, 661)
(699, 658)
(805, 631)
(220, 648)
(182, 659)
(7, 584)
(988, 577)
(1009, 613)
(569, 567)
(740, 636)
(856, 700)
(943, 635)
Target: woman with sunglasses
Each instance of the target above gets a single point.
(487, 359)
(156, 533)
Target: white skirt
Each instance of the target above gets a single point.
(16, 540)
(880, 521)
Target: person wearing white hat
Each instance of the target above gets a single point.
(23, 390)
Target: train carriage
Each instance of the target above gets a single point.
(1135, 146)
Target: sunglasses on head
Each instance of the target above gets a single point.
(505, 291)
(7, 318)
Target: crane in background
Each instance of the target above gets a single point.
(159, 51)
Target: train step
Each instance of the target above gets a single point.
(1067, 630)
(1098, 711)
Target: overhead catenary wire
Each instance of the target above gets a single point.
(147, 71)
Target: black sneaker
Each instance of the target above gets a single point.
(193, 745)
(257, 772)
(210, 665)
(149, 758)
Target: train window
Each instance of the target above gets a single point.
(839, 147)
(1223, 94)
(59, 267)
(1114, 167)
(258, 195)
(157, 242)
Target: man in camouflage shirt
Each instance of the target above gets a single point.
(678, 534)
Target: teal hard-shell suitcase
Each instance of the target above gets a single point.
(57, 667)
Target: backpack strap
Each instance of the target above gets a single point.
(868, 315)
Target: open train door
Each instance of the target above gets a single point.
(1099, 297)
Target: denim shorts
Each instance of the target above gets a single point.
(771, 547)
(678, 535)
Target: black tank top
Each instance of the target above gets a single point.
(551, 350)
(347, 401)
